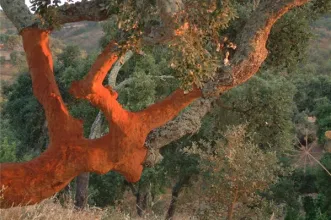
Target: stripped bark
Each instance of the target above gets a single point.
(123, 148)
(82, 180)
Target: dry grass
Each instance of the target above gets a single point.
(49, 210)
(52, 210)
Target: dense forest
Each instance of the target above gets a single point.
(263, 151)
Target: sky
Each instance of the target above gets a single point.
(28, 1)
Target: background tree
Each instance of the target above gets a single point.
(230, 180)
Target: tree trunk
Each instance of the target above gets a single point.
(139, 199)
(81, 190)
(140, 204)
(82, 181)
(143, 199)
(231, 206)
(175, 193)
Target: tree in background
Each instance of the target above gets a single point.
(122, 149)
(232, 174)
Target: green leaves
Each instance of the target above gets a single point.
(234, 170)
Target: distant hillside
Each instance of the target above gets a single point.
(12, 58)
(319, 54)
(87, 35)
(84, 34)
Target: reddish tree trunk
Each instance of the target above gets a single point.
(69, 153)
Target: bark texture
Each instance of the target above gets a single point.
(82, 180)
(184, 181)
(69, 153)
(123, 148)
(250, 54)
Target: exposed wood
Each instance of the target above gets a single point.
(69, 153)
(82, 180)
(123, 148)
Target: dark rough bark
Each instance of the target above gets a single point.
(140, 204)
(143, 198)
(81, 190)
(140, 199)
(176, 190)
(87, 11)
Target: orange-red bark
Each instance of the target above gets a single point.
(69, 153)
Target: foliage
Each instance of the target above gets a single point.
(230, 176)
(323, 114)
(10, 41)
(265, 103)
(199, 41)
(70, 56)
(106, 189)
(149, 82)
(25, 116)
(310, 89)
(8, 151)
(288, 40)
(323, 184)
(313, 99)
(308, 190)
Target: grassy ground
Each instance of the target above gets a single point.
(52, 210)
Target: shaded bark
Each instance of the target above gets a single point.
(82, 182)
(141, 203)
(176, 190)
(143, 197)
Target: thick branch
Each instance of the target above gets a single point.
(91, 87)
(250, 55)
(189, 122)
(69, 153)
(160, 113)
(82, 11)
(251, 50)
(18, 13)
(40, 63)
(116, 68)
